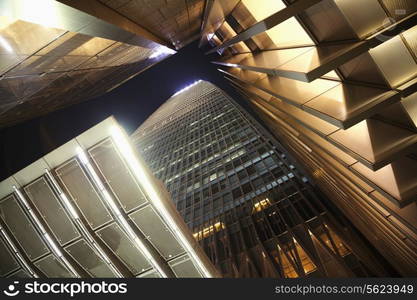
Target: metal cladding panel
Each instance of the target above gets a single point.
(183, 267)
(20, 274)
(22, 229)
(8, 263)
(53, 268)
(156, 232)
(89, 259)
(117, 175)
(117, 240)
(82, 192)
(41, 194)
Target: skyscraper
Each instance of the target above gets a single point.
(245, 200)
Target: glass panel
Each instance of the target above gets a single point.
(89, 260)
(22, 229)
(53, 268)
(51, 210)
(117, 175)
(82, 192)
(117, 240)
(184, 268)
(157, 232)
(20, 274)
(7, 261)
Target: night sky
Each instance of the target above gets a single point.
(130, 103)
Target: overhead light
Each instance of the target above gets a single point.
(186, 88)
(162, 51)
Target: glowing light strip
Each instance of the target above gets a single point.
(119, 217)
(46, 237)
(84, 230)
(186, 88)
(21, 260)
(138, 170)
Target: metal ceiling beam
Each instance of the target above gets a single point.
(267, 23)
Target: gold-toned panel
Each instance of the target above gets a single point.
(347, 104)
(395, 61)
(398, 9)
(399, 178)
(295, 91)
(376, 142)
(215, 17)
(358, 15)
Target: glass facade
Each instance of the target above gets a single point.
(246, 202)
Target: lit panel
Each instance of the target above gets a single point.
(41, 195)
(8, 263)
(346, 105)
(215, 17)
(120, 244)
(157, 232)
(89, 260)
(395, 61)
(365, 17)
(82, 192)
(52, 267)
(23, 230)
(263, 11)
(373, 142)
(117, 175)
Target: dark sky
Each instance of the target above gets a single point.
(131, 104)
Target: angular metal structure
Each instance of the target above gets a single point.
(248, 204)
(54, 54)
(336, 81)
(91, 208)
